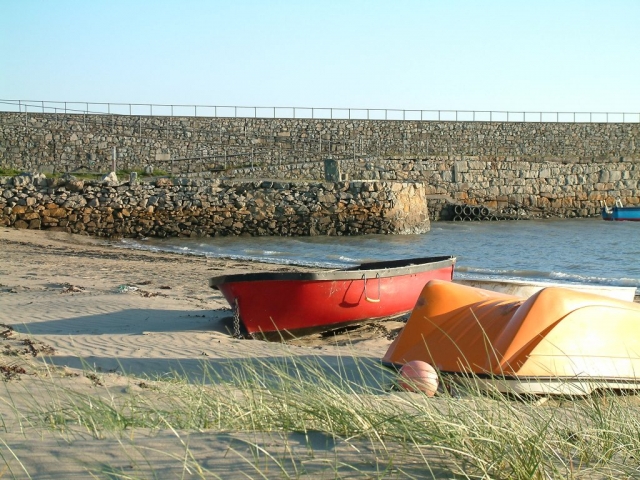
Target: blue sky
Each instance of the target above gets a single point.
(468, 55)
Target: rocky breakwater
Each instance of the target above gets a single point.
(192, 208)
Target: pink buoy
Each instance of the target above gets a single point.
(418, 376)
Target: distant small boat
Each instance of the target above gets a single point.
(276, 305)
(621, 213)
(557, 341)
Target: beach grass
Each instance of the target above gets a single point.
(331, 409)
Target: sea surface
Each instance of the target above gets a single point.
(589, 251)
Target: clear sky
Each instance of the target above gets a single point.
(468, 55)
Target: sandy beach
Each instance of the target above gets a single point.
(119, 363)
(103, 320)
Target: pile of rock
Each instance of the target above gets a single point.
(186, 207)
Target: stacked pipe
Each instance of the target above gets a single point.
(468, 213)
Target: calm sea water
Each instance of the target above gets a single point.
(588, 251)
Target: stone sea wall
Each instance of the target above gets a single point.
(537, 169)
(181, 145)
(535, 188)
(187, 207)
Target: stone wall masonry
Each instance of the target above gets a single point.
(537, 188)
(65, 142)
(192, 208)
(542, 169)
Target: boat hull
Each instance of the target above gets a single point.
(629, 214)
(557, 341)
(280, 304)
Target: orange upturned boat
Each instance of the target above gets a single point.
(557, 341)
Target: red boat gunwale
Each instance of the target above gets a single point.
(279, 304)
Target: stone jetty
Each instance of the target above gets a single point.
(167, 207)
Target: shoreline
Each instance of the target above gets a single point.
(70, 328)
(41, 263)
(153, 364)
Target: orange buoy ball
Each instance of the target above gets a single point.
(418, 376)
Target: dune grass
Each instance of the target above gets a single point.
(463, 432)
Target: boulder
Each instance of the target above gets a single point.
(110, 179)
(164, 182)
(22, 180)
(73, 184)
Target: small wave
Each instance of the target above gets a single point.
(272, 260)
(497, 272)
(348, 259)
(533, 275)
(574, 278)
(229, 256)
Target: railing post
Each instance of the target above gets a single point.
(195, 110)
(150, 109)
(25, 114)
(43, 106)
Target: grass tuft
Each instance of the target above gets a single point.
(343, 406)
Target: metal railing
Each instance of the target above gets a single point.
(148, 109)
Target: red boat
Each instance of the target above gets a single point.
(276, 305)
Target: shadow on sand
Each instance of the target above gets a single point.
(133, 322)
